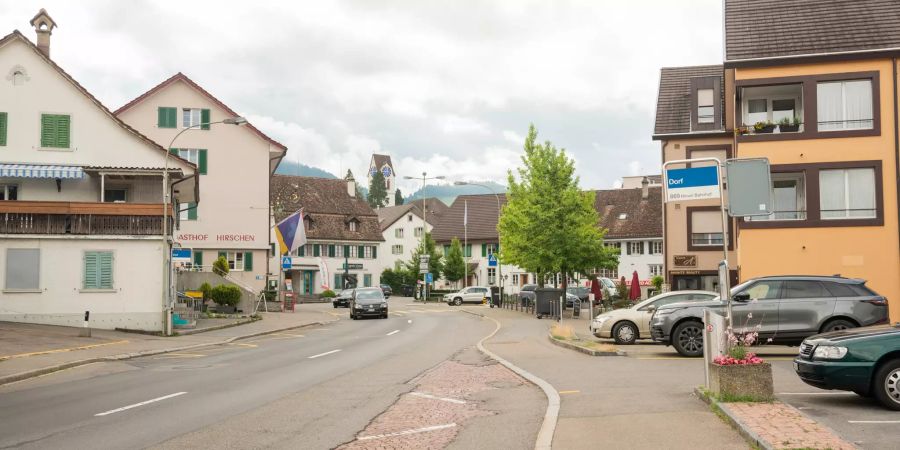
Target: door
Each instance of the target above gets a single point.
(686, 282)
(760, 312)
(804, 305)
(309, 277)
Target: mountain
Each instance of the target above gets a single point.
(447, 193)
(297, 169)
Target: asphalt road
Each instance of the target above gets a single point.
(330, 381)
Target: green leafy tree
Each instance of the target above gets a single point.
(549, 225)
(377, 191)
(226, 295)
(435, 263)
(220, 266)
(454, 264)
(398, 198)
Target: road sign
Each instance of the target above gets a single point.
(695, 183)
(492, 260)
(181, 255)
(423, 259)
(429, 277)
(351, 266)
(749, 187)
(286, 262)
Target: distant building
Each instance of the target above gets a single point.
(402, 228)
(382, 163)
(637, 181)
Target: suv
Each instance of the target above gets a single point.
(785, 309)
(386, 290)
(526, 295)
(471, 294)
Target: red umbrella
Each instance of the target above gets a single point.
(595, 289)
(635, 292)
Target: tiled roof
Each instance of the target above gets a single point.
(381, 160)
(673, 102)
(482, 219)
(643, 218)
(327, 202)
(182, 77)
(778, 28)
(390, 214)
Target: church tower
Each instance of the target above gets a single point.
(382, 163)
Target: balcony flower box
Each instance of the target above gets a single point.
(789, 128)
(742, 382)
(763, 127)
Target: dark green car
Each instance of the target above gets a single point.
(862, 360)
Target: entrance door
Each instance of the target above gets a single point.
(686, 282)
(309, 277)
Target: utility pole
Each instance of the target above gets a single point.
(424, 179)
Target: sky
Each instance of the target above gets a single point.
(444, 87)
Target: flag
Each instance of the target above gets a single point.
(323, 274)
(291, 233)
(466, 213)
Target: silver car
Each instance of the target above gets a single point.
(471, 294)
(785, 309)
(627, 325)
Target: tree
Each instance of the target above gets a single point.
(549, 225)
(220, 266)
(398, 198)
(454, 264)
(377, 191)
(435, 265)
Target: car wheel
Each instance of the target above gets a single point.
(886, 386)
(688, 339)
(837, 325)
(625, 333)
(457, 301)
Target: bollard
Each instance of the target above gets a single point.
(85, 330)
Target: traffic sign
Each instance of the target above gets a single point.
(750, 187)
(492, 260)
(181, 255)
(695, 183)
(429, 277)
(286, 263)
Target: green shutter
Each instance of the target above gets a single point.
(301, 251)
(361, 252)
(173, 151)
(374, 252)
(483, 250)
(166, 117)
(198, 258)
(106, 270)
(204, 119)
(3, 126)
(48, 130)
(346, 251)
(63, 130)
(161, 117)
(98, 270)
(248, 261)
(90, 270)
(316, 250)
(192, 212)
(201, 161)
(331, 250)
(172, 118)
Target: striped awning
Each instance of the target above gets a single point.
(40, 171)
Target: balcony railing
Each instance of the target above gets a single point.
(82, 218)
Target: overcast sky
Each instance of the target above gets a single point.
(448, 87)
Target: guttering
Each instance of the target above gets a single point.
(787, 59)
(896, 138)
(717, 133)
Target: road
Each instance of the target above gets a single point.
(312, 388)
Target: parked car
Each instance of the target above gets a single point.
(581, 292)
(368, 302)
(386, 290)
(342, 300)
(627, 325)
(786, 309)
(572, 300)
(608, 288)
(862, 360)
(407, 290)
(526, 295)
(471, 294)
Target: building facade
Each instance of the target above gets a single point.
(402, 228)
(83, 225)
(234, 163)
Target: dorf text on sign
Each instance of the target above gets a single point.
(696, 183)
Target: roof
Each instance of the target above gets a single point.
(184, 78)
(390, 214)
(643, 218)
(759, 29)
(326, 202)
(18, 35)
(482, 218)
(673, 101)
(381, 160)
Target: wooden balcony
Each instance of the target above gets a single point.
(82, 218)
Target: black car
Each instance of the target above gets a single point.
(386, 290)
(343, 299)
(407, 290)
(368, 302)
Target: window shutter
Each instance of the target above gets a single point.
(301, 251)
(90, 270)
(331, 250)
(161, 117)
(198, 258)
(3, 126)
(192, 213)
(62, 131)
(374, 252)
(316, 251)
(446, 249)
(204, 119)
(361, 252)
(642, 247)
(106, 270)
(346, 251)
(628, 248)
(48, 130)
(201, 161)
(248, 261)
(483, 250)
(173, 151)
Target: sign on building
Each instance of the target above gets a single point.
(181, 255)
(695, 183)
(750, 187)
(286, 263)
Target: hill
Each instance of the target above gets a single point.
(297, 169)
(447, 193)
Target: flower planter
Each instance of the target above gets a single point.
(788, 128)
(765, 129)
(746, 381)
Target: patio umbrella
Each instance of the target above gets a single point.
(635, 292)
(595, 289)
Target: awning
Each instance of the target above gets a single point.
(40, 171)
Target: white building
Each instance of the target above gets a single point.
(401, 227)
(70, 239)
(382, 163)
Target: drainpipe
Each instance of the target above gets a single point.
(896, 137)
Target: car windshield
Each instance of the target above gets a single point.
(608, 283)
(369, 296)
(346, 292)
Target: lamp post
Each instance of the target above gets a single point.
(424, 179)
(165, 223)
(497, 196)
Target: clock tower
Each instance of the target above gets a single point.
(382, 163)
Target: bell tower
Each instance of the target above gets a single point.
(43, 26)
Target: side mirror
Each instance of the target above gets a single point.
(741, 297)
(651, 308)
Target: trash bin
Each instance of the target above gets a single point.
(547, 302)
(495, 296)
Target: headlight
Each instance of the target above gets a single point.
(830, 352)
(384, 305)
(600, 320)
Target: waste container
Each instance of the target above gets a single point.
(547, 302)
(495, 296)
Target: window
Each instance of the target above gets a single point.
(409, 218)
(844, 105)
(3, 127)
(490, 249)
(772, 104)
(608, 273)
(636, 248)
(338, 252)
(397, 249)
(788, 197)
(98, 270)
(166, 117)
(187, 211)
(418, 232)
(353, 225)
(23, 268)
(194, 155)
(235, 261)
(615, 245)
(677, 298)
(655, 270)
(353, 252)
(515, 278)
(764, 290)
(398, 233)
(839, 289)
(367, 280)
(9, 192)
(368, 252)
(115, 195)
(55, 130)
(706, 111)
(623, 216)
(492, 275)
(706, 228)
(190, 117)
(468, 250)
(847, 193)
(656, 247)
(804, 289)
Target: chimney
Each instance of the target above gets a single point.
(351, 184)
(43, 26)
(645, 188)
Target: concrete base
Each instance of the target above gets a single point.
(752, 381)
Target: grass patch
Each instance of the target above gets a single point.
(565, 333)
(562, 332)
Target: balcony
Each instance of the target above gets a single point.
(82, 218)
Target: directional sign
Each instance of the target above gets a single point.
(492, 260)
(286, 262)
(696, 183)
(181, 255)
(351, 266)
(429, 277)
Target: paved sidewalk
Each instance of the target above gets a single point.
(780, 426)
(28, 350)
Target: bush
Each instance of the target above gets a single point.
(226, 295)
(622, 289)
(206, 289)
(657, 283)
(220, 266)
(328, 294)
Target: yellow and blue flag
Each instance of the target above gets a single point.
(291, 233)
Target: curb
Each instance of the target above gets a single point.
(581, 349)
(123, 356)
(189, 331)
(751, 437)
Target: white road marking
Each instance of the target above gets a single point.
(434, 397)
(164, 397)
(393, 332)
(323, 354)
(405, 432)
(874, 421)
(815, 393)
(409, 321)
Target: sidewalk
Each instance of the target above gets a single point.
(28, 350)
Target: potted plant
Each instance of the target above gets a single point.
(763, 127)
(740, 375)
(226, 297)
(789, 125)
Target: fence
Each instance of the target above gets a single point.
(80, 224)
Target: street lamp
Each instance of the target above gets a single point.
(165, 223)
(424, 179)
(497, 196)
